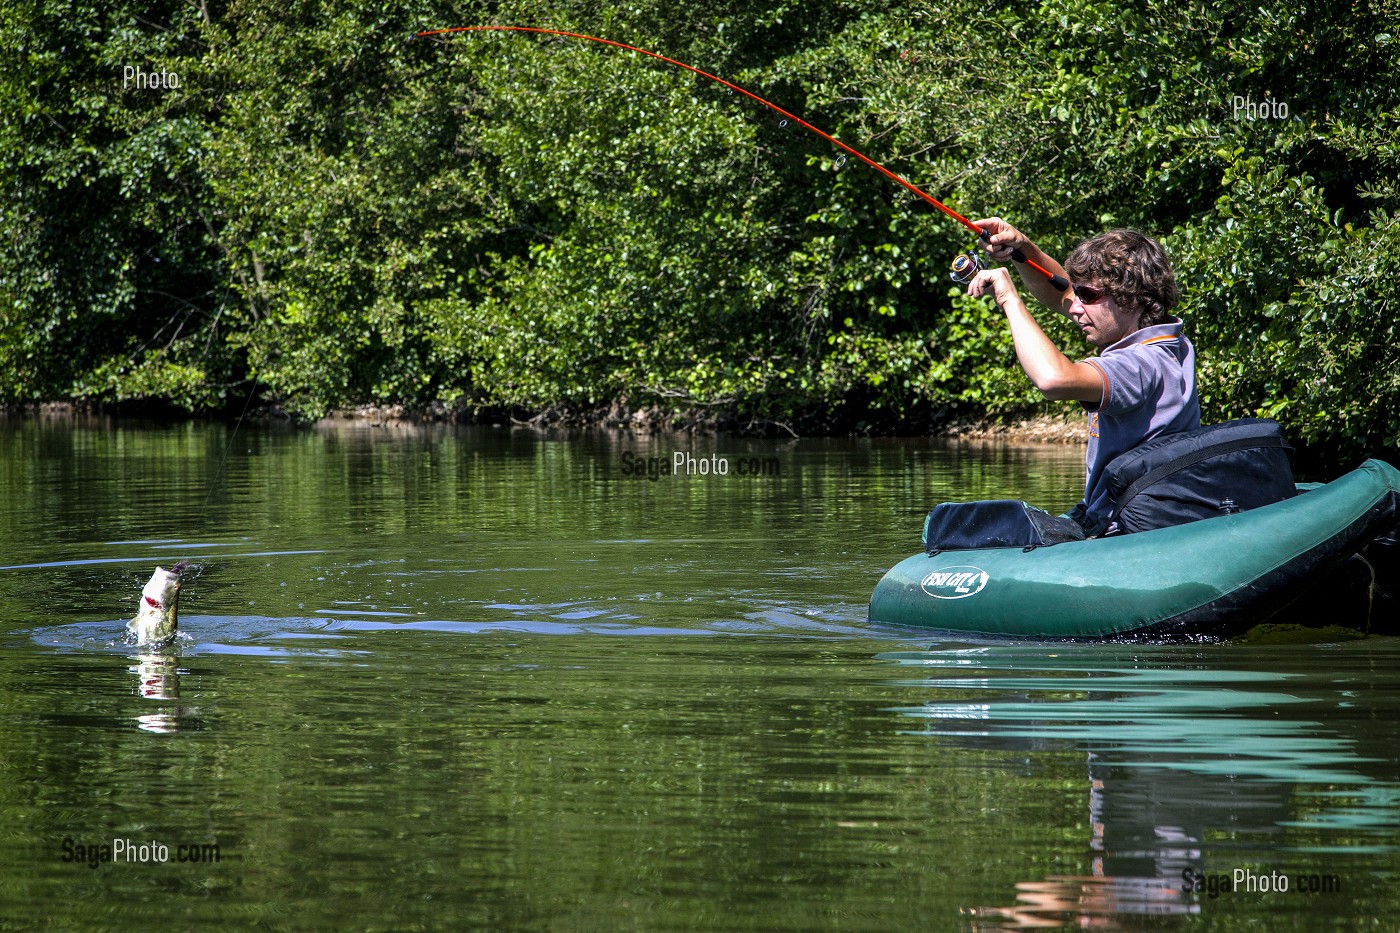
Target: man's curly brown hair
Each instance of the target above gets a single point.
(1132, 268)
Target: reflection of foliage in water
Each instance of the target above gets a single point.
(405, 700)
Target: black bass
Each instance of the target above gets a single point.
(156, 620)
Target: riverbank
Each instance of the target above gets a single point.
(1067, 427)
(1043, 428)
(1055, 427)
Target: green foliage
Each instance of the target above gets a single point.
(345, 216)
(109, 286)
(1300, 306)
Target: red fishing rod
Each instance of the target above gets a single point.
(1058, 281)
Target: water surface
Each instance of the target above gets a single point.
(485, 679)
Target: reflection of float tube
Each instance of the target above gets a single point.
(1059, 281)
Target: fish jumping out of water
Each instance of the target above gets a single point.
(156, 621)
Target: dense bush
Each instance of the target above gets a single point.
(330, 214)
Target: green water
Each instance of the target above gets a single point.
(486, 679)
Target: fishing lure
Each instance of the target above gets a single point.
(1058, 281)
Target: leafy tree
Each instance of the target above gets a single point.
(337, 215)
(111, 285)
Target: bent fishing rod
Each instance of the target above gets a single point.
(1058, 281)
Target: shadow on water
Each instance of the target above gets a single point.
(1210, 772)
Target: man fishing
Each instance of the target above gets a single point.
(1143, 382)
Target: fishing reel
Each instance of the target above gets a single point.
(965, 267)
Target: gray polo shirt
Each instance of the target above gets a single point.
(1149, 389)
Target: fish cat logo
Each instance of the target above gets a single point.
(954, 582)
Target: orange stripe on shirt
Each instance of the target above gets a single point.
(1103, 400)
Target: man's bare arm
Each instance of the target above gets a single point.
(1054, 374)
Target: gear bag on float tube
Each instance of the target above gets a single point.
(1214, 470)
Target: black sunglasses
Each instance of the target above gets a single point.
(1088, 293)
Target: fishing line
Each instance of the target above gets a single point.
(1058, 281)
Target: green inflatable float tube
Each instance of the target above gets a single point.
(1323, 556)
